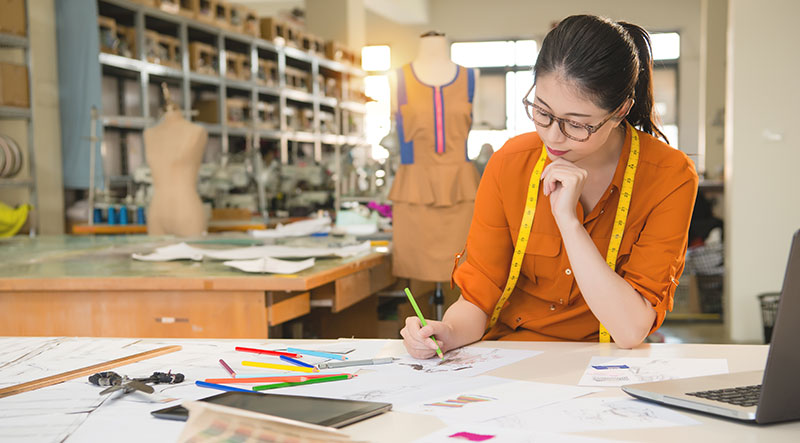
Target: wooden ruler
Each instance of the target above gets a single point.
(88, 370)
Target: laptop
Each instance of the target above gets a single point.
(767, 396)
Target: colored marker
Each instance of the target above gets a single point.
(422, 320)
(317, 353)
(204, 384)
(275, 379)
(611, 367)
(342, 364)
(296, 362)
(266, 352)
(307, 382)
(276, 366)
(227, 368)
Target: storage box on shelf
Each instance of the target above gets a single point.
(267, 115)
(203, 58)
(238, 66)
(327, 122)
(243, 20)
(281, 32)
(222, 14)
(107, 27)
(14, 85)
(12, 20)
(267, 72)
(171, 6)
(162, 49)
(207, 108)
(298, 79)
(313, 44)
(206, 11)
(329, 86)
(238, 110)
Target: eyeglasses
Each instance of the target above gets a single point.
(580, 132)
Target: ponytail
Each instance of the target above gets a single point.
(642, 114)
(609, 61)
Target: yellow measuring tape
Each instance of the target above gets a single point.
(527, 222)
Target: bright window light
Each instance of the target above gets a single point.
(378, 119)
(479, 137)
(482, 54)
(376, 58)
(517, 120)
(666, 46)
(525, 52)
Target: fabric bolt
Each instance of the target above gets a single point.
(435, 185)
(547, 303)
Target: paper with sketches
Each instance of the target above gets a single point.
(480, 404)
(616, 371)
(270, 265)
(217, 423)
(463, 362)
(183, 251)
(296, 229)
(495, 434)
(594, 414)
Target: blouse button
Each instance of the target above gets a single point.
(611, 191)
(552, 307)
(519, 319)
(602, 211)
(568, 271)
(561, 301)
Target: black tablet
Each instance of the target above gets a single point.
(316, 410)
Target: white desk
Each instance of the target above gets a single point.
(562, 363)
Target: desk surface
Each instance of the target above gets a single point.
(105, 263)
(562, 363)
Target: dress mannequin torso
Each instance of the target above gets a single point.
(432, 64)
(174, 150)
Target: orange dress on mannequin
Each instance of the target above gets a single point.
(434, 190)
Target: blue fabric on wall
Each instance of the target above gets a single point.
(79, 88)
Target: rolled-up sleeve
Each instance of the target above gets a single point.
(656, 261)
(482, 276)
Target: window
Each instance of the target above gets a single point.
(378, 121)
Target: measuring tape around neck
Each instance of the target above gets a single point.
(527, 222)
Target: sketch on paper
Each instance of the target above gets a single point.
(461, 401)
(454, 361)
(610, 371)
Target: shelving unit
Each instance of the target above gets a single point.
(10, 42)
(290, 139)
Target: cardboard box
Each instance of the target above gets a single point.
(203, 58)
(206, 11)
(238, 66)
(238, 110)
(267, 72)
(108, 34)
(281, 32)
(14, 85)
(12, 19)
(207, 110)
(222, 14)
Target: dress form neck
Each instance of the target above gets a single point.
(432, 64)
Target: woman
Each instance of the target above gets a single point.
(577, 278)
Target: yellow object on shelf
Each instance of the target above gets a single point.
(12, 219)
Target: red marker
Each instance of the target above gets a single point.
(264, 351)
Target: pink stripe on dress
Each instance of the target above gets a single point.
(437, 98)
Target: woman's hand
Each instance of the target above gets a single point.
(417, 338)
(563, 182)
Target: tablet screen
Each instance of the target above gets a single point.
(320, 411)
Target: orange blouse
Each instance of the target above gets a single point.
(547, 303)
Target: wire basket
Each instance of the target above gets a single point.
(769, 309)
(710, 289)
(706, 259)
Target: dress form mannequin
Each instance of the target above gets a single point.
(174, 150)
(434, 189)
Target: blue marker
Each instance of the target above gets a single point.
(296, 362)
(611, 367)
(203, 384)
(317, 353)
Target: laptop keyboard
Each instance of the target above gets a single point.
(741, 396)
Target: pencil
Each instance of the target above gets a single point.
(307, 382)
(276, 366)
(422, 320)
(275, 379)
(203, 384)
(296, 362)
(317, 353)
(227, 368)
(264, 351)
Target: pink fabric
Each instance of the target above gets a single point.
(437, 97)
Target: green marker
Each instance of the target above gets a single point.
(422, 320)
(299, 383)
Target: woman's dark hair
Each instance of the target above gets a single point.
(609, 61)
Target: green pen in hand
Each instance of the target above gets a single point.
(422, 320)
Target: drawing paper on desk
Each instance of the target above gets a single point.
(594, 414)
(615, 371)
(477, 404)
(490, 434)
(465, 362)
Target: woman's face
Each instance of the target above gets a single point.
(562, 99)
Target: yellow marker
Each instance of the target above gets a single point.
(527, 222)
(277, 366)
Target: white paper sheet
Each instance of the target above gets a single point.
(463, 362)
(270, 265)
(508, 398)
(615, 371)
(296, 229)
(497, 434)
(183, 251)
(595, 413)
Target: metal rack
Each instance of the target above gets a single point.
(14, 42)
(220, 84)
